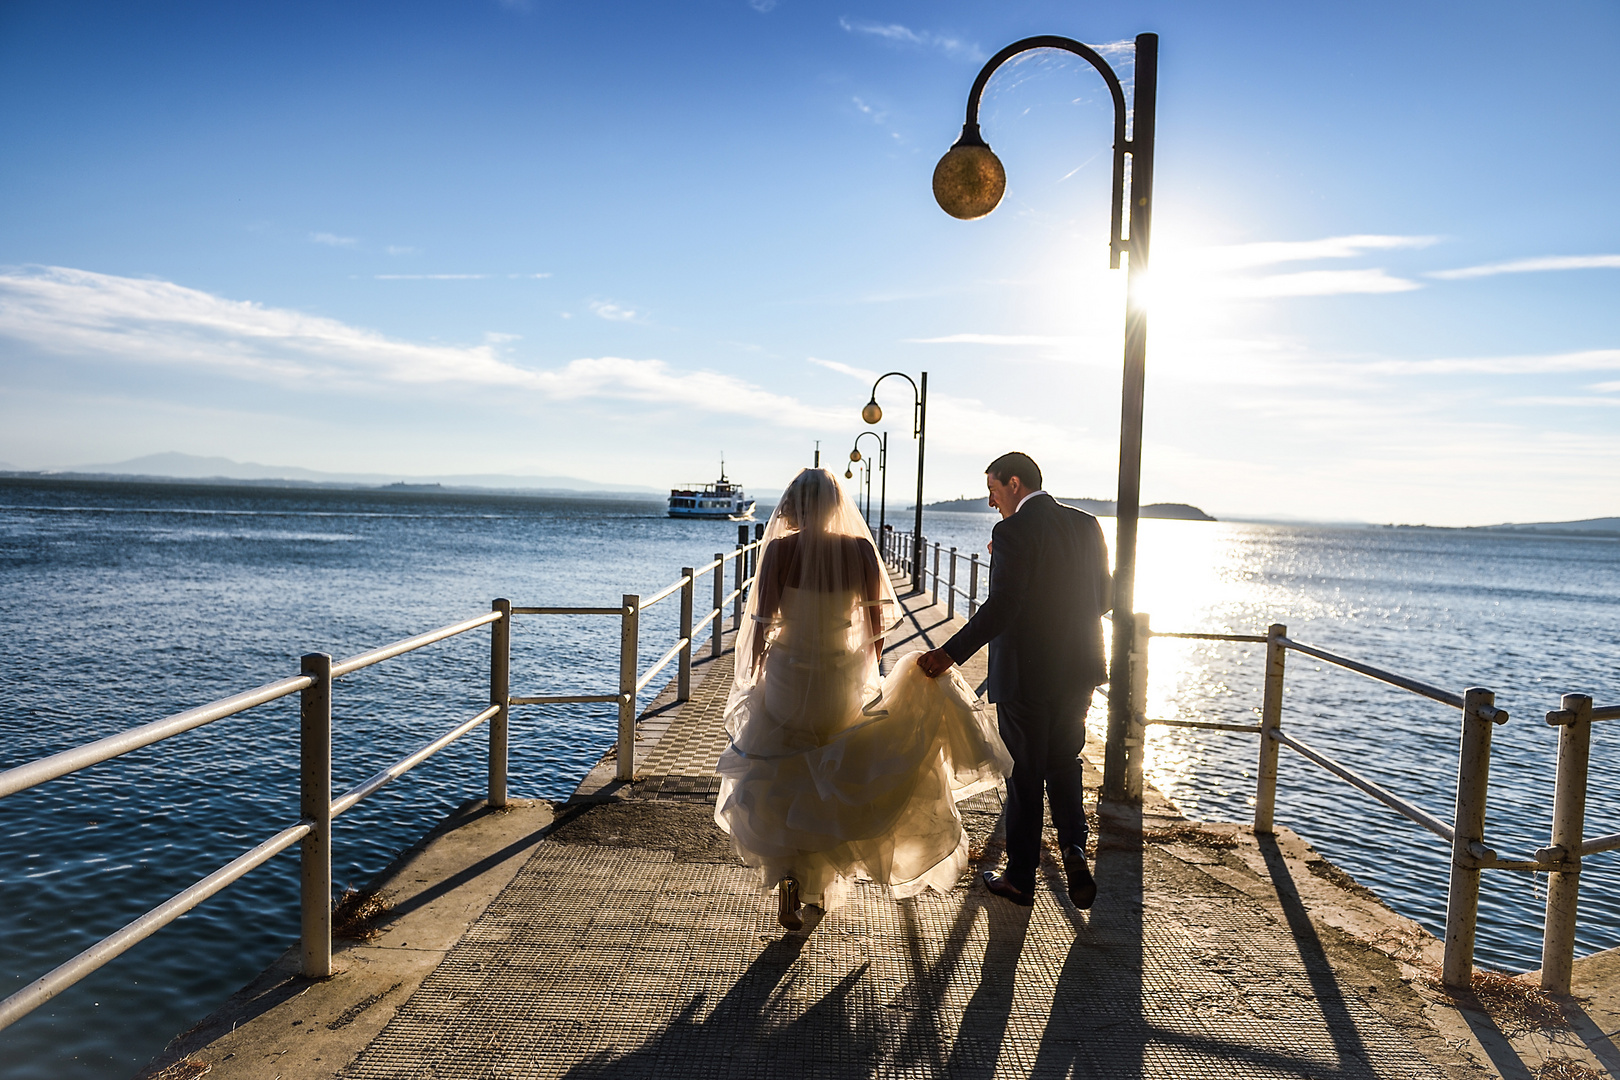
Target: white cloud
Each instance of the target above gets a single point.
(332, 239)
(762, 6)
(904, 35)
(1587, 360)
(613, 312)
(1606, 387)
(990, 339)
(1319, 283)
(398, 249)
(1565, 402)
(1530, 266)
(78, 312)
(860, 374)
(1271, 252)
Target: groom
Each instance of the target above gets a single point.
(1049, 586)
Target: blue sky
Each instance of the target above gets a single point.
(615, 241)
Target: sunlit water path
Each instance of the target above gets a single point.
(122, 603)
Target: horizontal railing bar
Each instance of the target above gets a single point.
(1383, 795)
(1211, 725)
(656, 668)
(568, 611)
(1606, 712)
(398, 648)
(705, 621)
(664, 593)
(80, 757)
(406, 764)
(1261, 638)
(1601, 843)
(1434, 693)
(730, 596)
(561, 699)
(120, 941)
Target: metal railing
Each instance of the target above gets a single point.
(317, 808)
(945, 561)
(1465, 833)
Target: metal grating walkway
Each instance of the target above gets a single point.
(603, 959)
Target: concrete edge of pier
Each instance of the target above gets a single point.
(284, 1025)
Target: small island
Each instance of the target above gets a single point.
(1099, 507)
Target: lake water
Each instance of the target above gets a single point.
(123, 603)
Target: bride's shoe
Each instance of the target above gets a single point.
(787, 904)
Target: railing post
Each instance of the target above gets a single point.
(1568, 825)
(973, 585)
(683, 681)
(1265, 784)
(315, 806)
(919, 553)
(936, 574)
(1462, 899)
(737, 602)
(500, 693)
(718, 622)
(1136, 732)
(950, 603)
(753, 558)
(629, 641)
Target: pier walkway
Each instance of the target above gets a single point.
(618, 936)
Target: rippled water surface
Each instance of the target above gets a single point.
(122, 603)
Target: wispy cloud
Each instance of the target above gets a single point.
(904, 35)
(864, 375)
(81, 313)
(762, 6)
(1532, 266)
(1567, 402)
(990, 339)
(604, 309)
(400, 249)
(332, 239)
(1271, 252)
(1544, 364)
(1320, 283)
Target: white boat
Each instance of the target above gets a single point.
(721, 500)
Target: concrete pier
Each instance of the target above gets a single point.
(617, 935)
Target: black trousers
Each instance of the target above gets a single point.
(1045, 739)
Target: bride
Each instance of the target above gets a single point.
(834, 772)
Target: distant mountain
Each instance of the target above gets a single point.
(1099, 507)
(1604, 526)
(192, 467)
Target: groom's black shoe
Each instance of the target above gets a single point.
(1082, 886)
(1007, 890)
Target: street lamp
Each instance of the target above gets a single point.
(866, 478)
(968, 183)
(883, 476)
(872, 413)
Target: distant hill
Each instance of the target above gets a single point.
(175, 466)
(1099, 507)
(1605, 526)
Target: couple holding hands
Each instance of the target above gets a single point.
(835, 772)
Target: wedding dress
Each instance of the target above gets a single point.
(835, 773)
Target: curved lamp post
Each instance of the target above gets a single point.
(866, 478)
(872, 413)
(968, 183)
(883, 475)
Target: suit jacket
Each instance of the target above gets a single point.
(1049, 586)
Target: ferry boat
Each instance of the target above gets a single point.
(723, 499)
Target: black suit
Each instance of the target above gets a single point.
(1049, 586)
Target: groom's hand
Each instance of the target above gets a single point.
(935, 663)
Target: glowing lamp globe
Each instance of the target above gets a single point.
(969, 180)
(872, 413)
(849, 474)
(854, 455)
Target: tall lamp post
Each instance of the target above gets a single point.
(872, 413)
(968, 183)
(866, 478)
(883, 475)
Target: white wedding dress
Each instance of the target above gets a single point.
(835, 774)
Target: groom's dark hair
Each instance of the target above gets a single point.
(1007, 466)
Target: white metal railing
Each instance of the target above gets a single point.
(317, 808)
(1465, 833)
